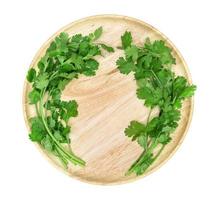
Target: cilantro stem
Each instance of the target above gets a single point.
(159, 152)
(149, 115)
(60, 156)
(140, 160)
(158, 80)
(37, 111)
(71, 157)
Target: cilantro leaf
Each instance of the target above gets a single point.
(132, 52)
(31, 75)
(135, 129)
(188, 92)
(47, 143)
(43, 63)
(125, 66)
(107, 48)
(84, 48)
(91, 66)
(164, 139)
(41, 81)
(151, 95)
(143, 141)
(126, 39)
(98, 32)
(34, 96)
(38, 130)
(65, 59)
(159, 88)
(160, 50)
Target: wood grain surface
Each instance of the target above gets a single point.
(107, 103)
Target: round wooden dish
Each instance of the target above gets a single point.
(107, 103)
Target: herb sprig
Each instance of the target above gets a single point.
(158, 87)
(64, 60)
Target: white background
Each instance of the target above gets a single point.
(25, 25)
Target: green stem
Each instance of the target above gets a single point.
(71, 157)
(149, 115)
(159, 152)
(37, 111)
(161, 85)
(141, 157)
(61, 157)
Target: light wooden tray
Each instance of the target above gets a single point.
(107, 103)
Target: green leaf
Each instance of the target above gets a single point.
(41, 81)
(151, 96)
(43, 63)
(58, 136)
(62, 84)
(124, 66)
(161, 51)
(107, 48)
(142, 141)
(36, 136)
(34, 96)
(132, 52)
(164, 139)
(31, 75)
(65, 59)
(135, 129)
(92, 52)
(47, 143)
(75, 42)
(152, 125)
(98, 32)
(126, 39)
(179, 84)
(84, 48)
(67, 67)
(188, 92)
(160, 89)
(38, 130)
(91, 66)
(71, 108)
(51, 122)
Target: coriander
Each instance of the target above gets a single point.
(158, 87)
(65, 59)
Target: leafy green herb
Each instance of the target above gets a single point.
(158, 87)
(98, 32)
(65, 59)
(31, 75)
(107, 48)
(125, 66)
(126, 39)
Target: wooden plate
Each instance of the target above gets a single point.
(107, 103)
